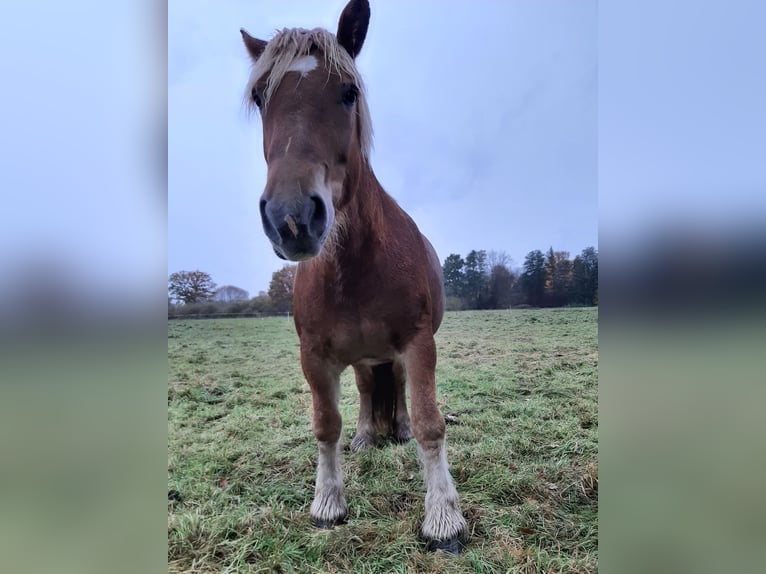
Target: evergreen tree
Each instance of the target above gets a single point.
(585, 277)
(476, 290)
(454, 277)
(533, 278)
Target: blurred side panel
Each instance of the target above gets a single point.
(83, 287)
(682, 183)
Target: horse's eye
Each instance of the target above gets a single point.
(350, 94)
(256, 98)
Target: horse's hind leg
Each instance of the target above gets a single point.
(365, 429)
(329, 506)
(444, 525)
(402, 431)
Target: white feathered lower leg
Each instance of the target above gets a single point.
(329, 506)
(443, 519)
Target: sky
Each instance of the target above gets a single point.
(484, 113)
(79, 110)
(681, 116)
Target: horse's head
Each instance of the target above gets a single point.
(315, 125)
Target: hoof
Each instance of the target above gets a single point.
(362, 442)
(328, 524)
(174, 496)
(451, 545)
(402, 433)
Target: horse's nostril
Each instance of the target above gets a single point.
(264, 217)
(318, 220)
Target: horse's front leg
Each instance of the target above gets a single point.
(444, 525)
(329, 506)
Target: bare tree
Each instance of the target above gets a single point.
(501, 282)
(230, 293)
(495, 258)
(191, 286)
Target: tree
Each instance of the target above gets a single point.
(230, 293)
(550, 269)
(533, 278)
(495, 258)
(281, 288)
(453, 275)
(500, 287)
(260, 304)
(585, 277)
(476, 284)
(191, 286)
(558, 279)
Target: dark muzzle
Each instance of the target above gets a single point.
(296, 229)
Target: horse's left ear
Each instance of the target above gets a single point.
(352, 26)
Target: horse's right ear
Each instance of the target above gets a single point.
(254, 46)
(352, 26)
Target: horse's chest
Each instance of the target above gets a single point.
(353, 341)
(349, 326)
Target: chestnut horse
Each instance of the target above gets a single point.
(369, 289)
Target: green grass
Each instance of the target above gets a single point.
(519, 393)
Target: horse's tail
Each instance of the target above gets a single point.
(383, 398)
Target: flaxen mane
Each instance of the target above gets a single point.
(290, 44)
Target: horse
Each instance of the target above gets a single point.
(369, 289)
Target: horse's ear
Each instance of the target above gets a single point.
(352, 26)
(254, 46)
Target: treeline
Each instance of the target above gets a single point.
(481, 280)
(486, 280)
(194, 293)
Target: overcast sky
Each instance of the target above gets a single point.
(681, 114)
(484, 116)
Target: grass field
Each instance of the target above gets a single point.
(519, 393)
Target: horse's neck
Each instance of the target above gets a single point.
(364, 210)
(360, 219)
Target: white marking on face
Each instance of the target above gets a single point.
(304, 65)
(326, 194)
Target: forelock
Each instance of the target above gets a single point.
(288, 45)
